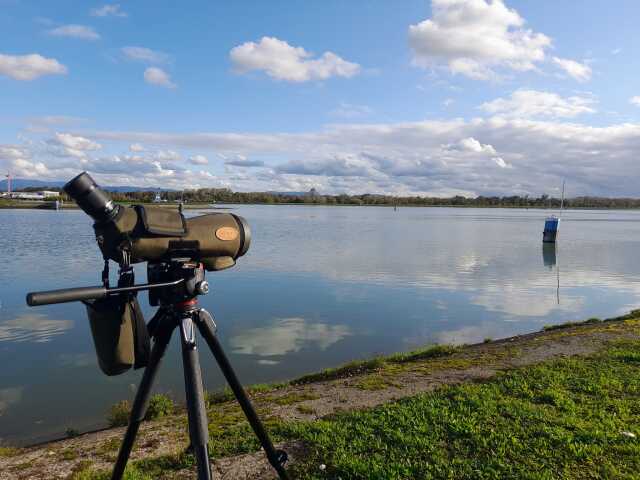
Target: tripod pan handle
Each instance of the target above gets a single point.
(65, 295)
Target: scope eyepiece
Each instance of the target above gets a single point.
(91, 198)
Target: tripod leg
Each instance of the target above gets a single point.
(198, 426)
(207, 327)
(139, 409)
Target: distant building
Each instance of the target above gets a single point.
(313, 193)
(33, 195)
(157, 198)
(26, 195)
(48, 193)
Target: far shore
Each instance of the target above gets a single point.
(49, 205)
(559, 400)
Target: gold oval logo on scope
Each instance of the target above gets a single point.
(226, 233)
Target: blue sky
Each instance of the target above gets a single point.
(415, 97)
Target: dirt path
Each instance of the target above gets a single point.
(387, 382)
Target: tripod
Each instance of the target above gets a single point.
(179, 310)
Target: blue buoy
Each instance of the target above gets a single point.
(550, 232)
(552, 223)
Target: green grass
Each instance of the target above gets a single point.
(350, 369)
(109, 448)
(632, 315)
(432, 351)
(559, 326)
(68, 454)
(562, 419)
(159, 406)
(9, 452)
(374, 382)
(82, 471)
(219, 396)
(263, 387)
(226, 394)
(291, 398)
(305, 409)
(118, 415)
(359, 367)
(627, 316)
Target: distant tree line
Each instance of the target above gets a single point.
(225, 195)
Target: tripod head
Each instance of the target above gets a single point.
(189, 274)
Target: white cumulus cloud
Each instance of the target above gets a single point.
(579, 71)
(198, 160)
(112, 10)
(635, 100)
(29, 67)
(532, 103)
(167, 155)
(143, 54)
(472, 145)
(473, 37)
(501, 163)
(26, 168)
(157, 76)
(68, 145)
(282, 61)
(13, 152)
(76, 142)
(82, 32)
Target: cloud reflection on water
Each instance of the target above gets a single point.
(32, 327)
(287, 335)
(489, 257)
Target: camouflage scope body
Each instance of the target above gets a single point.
(152, 234)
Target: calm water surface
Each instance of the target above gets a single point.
(319, 286)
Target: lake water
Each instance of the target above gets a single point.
(320, 286)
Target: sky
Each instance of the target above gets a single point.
(440, 97)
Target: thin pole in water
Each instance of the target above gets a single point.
(558, 279)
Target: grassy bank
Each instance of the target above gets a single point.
(571, 418)
(563, 403)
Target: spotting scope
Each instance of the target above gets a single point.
(151, 234)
